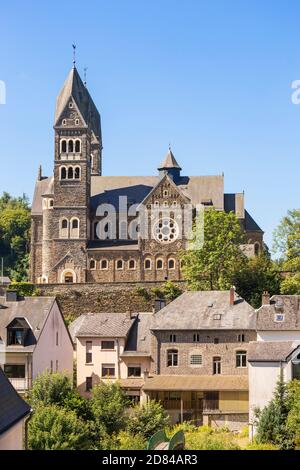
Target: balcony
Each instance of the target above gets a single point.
(20, 384)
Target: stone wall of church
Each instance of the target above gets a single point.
(76, 299)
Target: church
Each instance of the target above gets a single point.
(66, 245)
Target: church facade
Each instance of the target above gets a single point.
(75, 240)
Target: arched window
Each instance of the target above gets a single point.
(77, 146)
(159, 264)
(70, 146)
(216, 365)
(119, 264)
(92, 161)
(256, 248)
(70, 173)
(76, 122)
(172, 357)
(63, 173)
(77, 173)
(68, 278)
(64, 228)
(64, 122)
(51, 203)
(63, 146)
(104, 264)
(171, 263)
(92, 264)
(147, 263)
(74, 232)
(131, 264)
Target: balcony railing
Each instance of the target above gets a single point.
(20, 384)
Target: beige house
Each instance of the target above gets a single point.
(110, 347)
(14, 412)
(33, 338)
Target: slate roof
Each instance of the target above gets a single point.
(44, 186)
(266, 314)
(169, 162)
(12, 407)
(35, 311)
(205, 310)
(105, 325)
(271, 351)
(139, 339)
(197, 383)
(75, 88)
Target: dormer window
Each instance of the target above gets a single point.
(17, 332)
(64, 122)
(76, 122)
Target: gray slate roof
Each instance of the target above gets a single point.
(34, 309)
(266, 314)
(12, 407)
(169, 162)
(106, 325)
(74, 87)
(192, 311)
(269, 351)
(139, 339)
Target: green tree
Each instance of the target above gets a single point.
(54, 428)
(108, 404)
(213, 266)
(49, 388)
(272, 424)
(258, 274)
(287, 243)
(293, 420)
(288, 227)
(147, 419)
(14, 235)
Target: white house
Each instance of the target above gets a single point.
(276, 350)
(33, 338)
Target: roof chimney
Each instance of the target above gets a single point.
(231, 295)
(265, 298)
(128, 314)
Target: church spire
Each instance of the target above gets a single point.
(170, 166)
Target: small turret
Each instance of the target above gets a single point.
(170, 167)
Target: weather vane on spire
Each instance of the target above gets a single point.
(74, 55)
(85, 70)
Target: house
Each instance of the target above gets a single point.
(33, 338)
(110, 347)
(14, 412)
(267, 362)
(277, 350)
(5, 281)
(199, 348)
(66, 245)
(278, 319)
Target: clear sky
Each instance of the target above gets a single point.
(213, 78)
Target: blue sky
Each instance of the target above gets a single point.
(211, 77)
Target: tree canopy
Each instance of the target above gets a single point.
(15, 235)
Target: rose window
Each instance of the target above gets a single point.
(165, 230)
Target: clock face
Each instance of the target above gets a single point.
(165, 230)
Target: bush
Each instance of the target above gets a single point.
(259, 446)
(147, 419)
(53, 428)
(23, 289)
(50, 388)
(127, 441)
(209, 439)
(108, 404)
